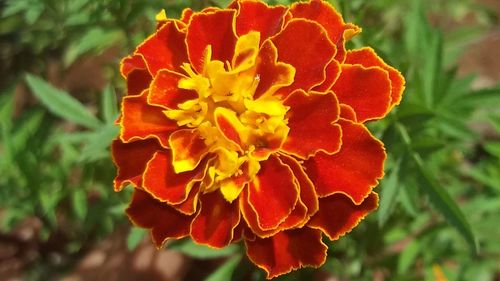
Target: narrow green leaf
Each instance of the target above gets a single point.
(225, 272)
(61, 103)
(493, 148)
(109, 104)
(390, 188)
(79, 202)
(99, 142)
(194, 250)
(408, 256)
(135, 237)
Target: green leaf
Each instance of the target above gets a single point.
(390, 188)
(79, 201)
(194, 250)
(135, 237)
(61, 103)
(109, 104)
(493, 148)
(225, 272)
(408, 256)
(98, 143)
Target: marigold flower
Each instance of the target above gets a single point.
(247, 123)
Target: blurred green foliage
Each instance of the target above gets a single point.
(440, 199)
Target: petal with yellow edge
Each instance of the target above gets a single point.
(273, 193)
(354, 170)
(131, 63)
(305, 45)
(214, 29)
(134, 70)
(164, 90)
(161, 181)
(310, 118)
(272, 75)
(163, 221)
(366, 90)
(287, 250)
(190, 205)
(188, 149)
(230, 126)
(215, 223)
(367, 57)
(258, 16)
(131, 159)
(338, 215)
(332, 74)
(140, 120)
(165, 49)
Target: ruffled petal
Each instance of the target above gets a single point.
(346, 112)
(230, 126)
(287, 250)
(273, 75)
(367, 58)
(163, 221)
(131, 63)
(134, 70)
(354, 170)
(258, 16)
(215, 223)
(188, 149)
(273, 193)
(164, 90)
(214, 29)
(161, 181)
(140, 120)
(338, 215)
(366, 90)
(131, 159)
(165, 49)
(309, 39)
(307, 190)
(332, 74)
(186, 15)
(310, 118)
(190, 205)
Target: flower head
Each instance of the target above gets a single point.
(247, 123)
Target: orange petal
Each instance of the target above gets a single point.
(272, 75)
(366, 90)
(163, 221)
(258, 16)
(354, 170)
(186, 15)
(165, 92)
(367, 57)
(310, 119)
(161, 181)
(304, 44)
(211, 28)
(131, 159)
(215, 223)
(338, 215)
(188, 149)
(287, 250)
(141, 121)
(165, 49)
(273, 193)
(229, 125)
(346, 112)
(131, 63)
(307, 190)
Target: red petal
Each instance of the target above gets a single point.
(189, 206)
(354, 170)
(188, 149)
(164, 91)
(366, 90)
(307, 190)
(164, 221)
(131, 159)
(186, 15)
(138, 80)
(332, 74)
(229, 125)
(141, 121)
(272, 75)
(273, 193)
(165, 49)
(287, 250)
(130, 64)
(367, 57)
(215, 223)
(211, 28)
(161, 181)
(346, 112)
(304, 44)
(258, 16)
(310, 118)
(338, 215)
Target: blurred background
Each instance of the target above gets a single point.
(439, 215)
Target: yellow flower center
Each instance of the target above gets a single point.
(239, 130)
